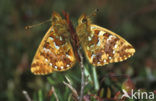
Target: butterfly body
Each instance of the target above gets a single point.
(57, 50)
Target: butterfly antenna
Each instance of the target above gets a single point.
(93, 13)
(29, 27)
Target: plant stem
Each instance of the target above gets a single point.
(82, 76)
(53, 89)
(74, 92)
(26, 95)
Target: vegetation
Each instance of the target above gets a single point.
(135, 20)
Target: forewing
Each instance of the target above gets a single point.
(54, 54)
(103, 46)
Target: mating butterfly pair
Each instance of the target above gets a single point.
(56, 52)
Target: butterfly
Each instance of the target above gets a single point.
(56, 51)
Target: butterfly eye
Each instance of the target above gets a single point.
(84, 20)
(54, 19)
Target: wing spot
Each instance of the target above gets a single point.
(55, 67)
(113, 51)
(46, 50)
(50, 64)
(110, 57)
(60, 38)
(92, 46)
(46, 60)
(115, 46)
(88, 48)
(51, 38)
(99, 43)
(68, 65)
(110, 37)
(61, 67)
(93, 27)
(52, 29)
(93, 55)
(89, 38)
(104, 61)
(101, 33)
(57, 47)
(68, 56)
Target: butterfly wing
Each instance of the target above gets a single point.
(103, 46)
(55, 53)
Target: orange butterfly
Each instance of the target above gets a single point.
(56, 51)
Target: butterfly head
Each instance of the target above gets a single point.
(83, 28)
(56, 17)
(60, 25)
(84, 20)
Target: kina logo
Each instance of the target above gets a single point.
(138, 94)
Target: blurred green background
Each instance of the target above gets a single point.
(135, 20)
